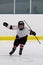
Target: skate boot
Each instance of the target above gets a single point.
(20, 51)
(12, 51)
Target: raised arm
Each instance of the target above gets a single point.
(11, 27)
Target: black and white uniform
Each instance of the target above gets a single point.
(21, 36)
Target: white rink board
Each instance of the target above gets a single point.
(35, 21)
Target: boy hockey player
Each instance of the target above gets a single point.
(21, 37)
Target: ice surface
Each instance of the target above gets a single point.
(32, 54)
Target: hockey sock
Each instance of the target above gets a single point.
(21, 49)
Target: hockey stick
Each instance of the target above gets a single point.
(31, 29)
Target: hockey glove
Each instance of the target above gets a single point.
(5, 24)
(32, 33)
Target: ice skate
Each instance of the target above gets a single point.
(20, 51)
(12, 51)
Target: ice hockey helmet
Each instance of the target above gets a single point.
(20, 23)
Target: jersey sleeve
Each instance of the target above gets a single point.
(28, 30)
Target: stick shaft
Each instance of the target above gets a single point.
(37, 39)
(31, 29)
(27, 24)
